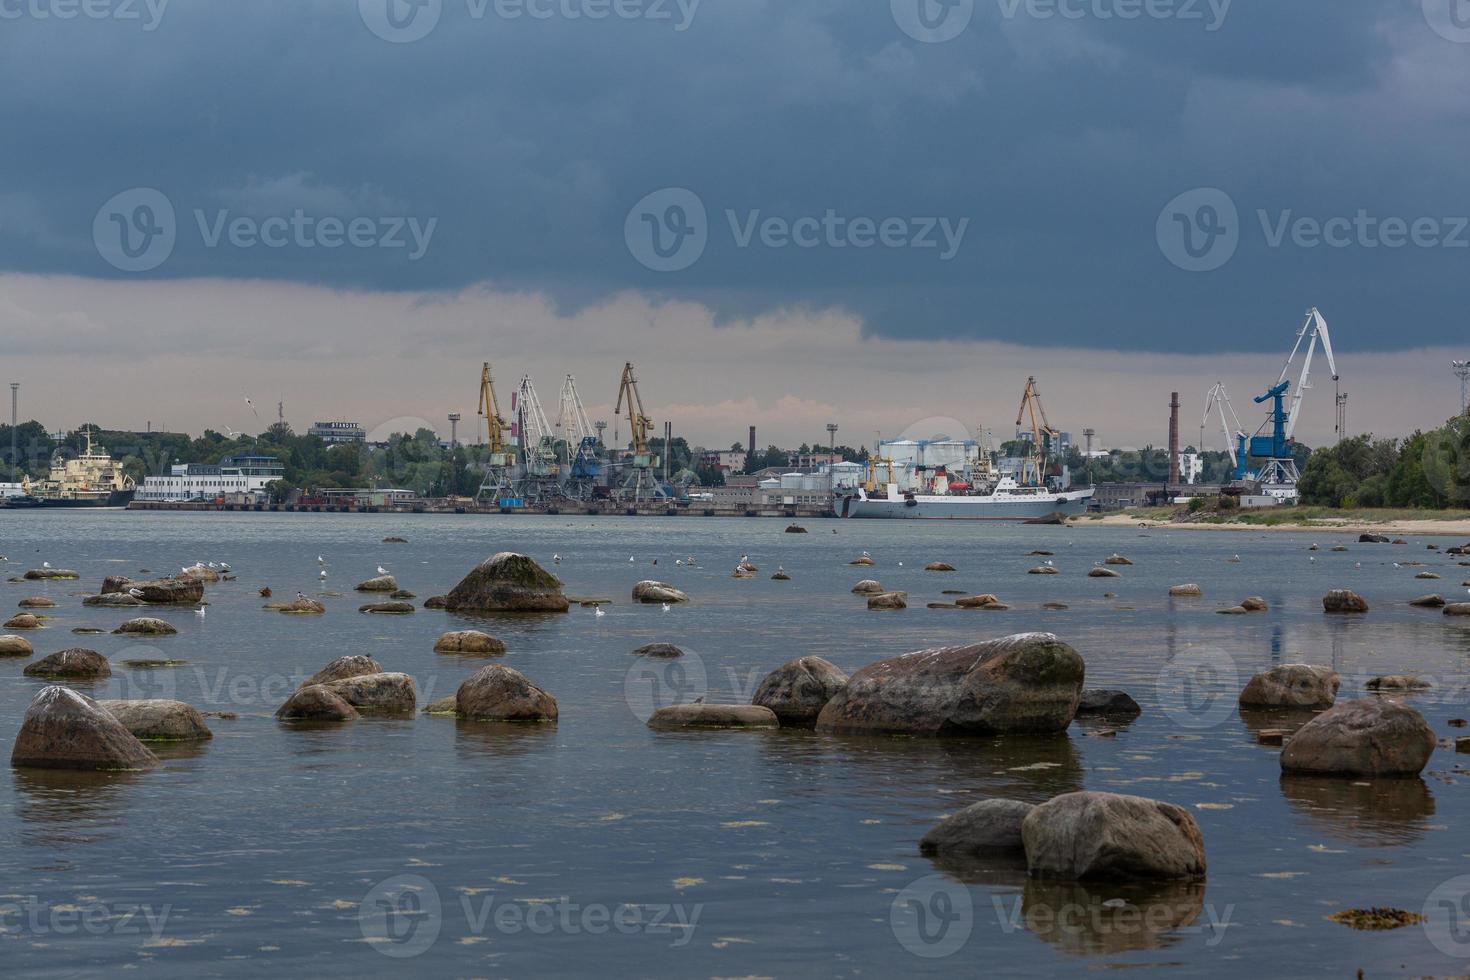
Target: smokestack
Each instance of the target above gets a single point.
(1174, 440)
(752, 440)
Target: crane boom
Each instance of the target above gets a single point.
(637, 420)
(1218, 400)
(1042, 433)
(490, 412)
(571, 421)
(1315, 327)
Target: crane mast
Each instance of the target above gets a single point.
(1218, 401)
(490, 412)
(1042, 434)
(638, 422)
(572, 426)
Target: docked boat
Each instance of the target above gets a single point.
(91, 479)
(1006, 501)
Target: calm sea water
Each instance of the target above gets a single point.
(597, 845)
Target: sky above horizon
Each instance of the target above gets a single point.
(785, 212)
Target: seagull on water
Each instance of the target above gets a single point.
(599, 612)
(630, 559)
(678, 561)
(224, 566)
(556, 558)
(320, 560)
(199, 612)
(324, 575)
(667, 607)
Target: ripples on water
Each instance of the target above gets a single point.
(759, 853)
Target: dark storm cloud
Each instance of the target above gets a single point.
(508, 148)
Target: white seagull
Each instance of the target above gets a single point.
(382, 570)
(556, 558)
(45, 564)
(324, 575)
(599, 611)
(136, 593)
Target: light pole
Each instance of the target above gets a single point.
(14, 459)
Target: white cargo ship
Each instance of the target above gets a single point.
(1007, 501)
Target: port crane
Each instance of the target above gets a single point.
(1218, 402)
(499, 464)
(580, 440)
(639, 479)
(1042, 435)
(1278, 474)
(540, 472)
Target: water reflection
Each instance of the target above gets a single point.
(1088, 919)
(502, 738)
(1376, 812)
(70, 806)
(1275, 719)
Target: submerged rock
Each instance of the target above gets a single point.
(1428, 602)
(1100, 572)
(666, 651)
(159, 721)
(37, 602)
(798, 691)
(867, 587)
(145, 626)
(508, 582)
(1397, 682)
(298, 607)
(469, 642)
(1344, 601)
(1371, 737)
(1255, 604)
(387, 608)
(50, 574)
(938, 566)
(655, 592)
(198, 573)
(67, 730)
(383, 583)
(1043, 570)
(795, 529)
(15, 646)
(1116, 560)
(1114, 704)
(714, 716)
(1031, 682)
(1292, 686)
(1108, 836)
(74, 664)
(1457, 609)
(498, 693)
(1188, 591)
(437, 602)
(986, 601)
(987, 827)
(889, 600)
(316, 702)
(112, 599)
(23, 621)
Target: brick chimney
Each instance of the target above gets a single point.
(1174, 440)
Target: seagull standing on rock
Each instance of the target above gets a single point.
(382, 570)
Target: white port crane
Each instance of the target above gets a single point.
(536, 439)
(1218, 402)
(1315, 325)
(572, 426)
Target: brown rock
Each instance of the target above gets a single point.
(1255, 604)
(714, 716)
(1397, 682)
(67, 730)
(1116, 560)
(23, 621)
(436, 602)
(1457, 609)
(1344, 601)
(387, 608)
(655, 592)
(471, 642)
(1026, 683)
(938, 566)
(986, 601)
(1100, 572)
(355, 665)
(1292, 686)
(15, 646)
(383, 583)
(298, 607)
(1189, 591)
(75, 664)
(508, 582)
(987, 827)
(50, 574)
(867, 587)
(889, 600)
(498, 693)
(115, 583)
(1107, 836)
(798, 691)
(1043, 570)
(159, 721)
(145, 626)
(37, 602)
(665, 651)
(1428, 602)
(169, 592)
(1371, 737)
(316, 702)
(117, 600)
(386, 694)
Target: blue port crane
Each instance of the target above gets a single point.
(1278, 474)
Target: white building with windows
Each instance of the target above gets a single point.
(337, 433)
(211, 481)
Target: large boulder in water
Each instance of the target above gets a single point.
(987, 827)
(889, 600)
(1107, 836)
(470, 642)
(23, 621)
(67, 730)
(383, 694)
(656, 592)
(159, 721)
(508, 583)
(1292, 686)
(868, 587)
(383, 583)
(316, 703)
(1372, 737)
(387, 608)
(498, 693)
(1031, 682)
(198, 573)
(50, 574)
(15, 646)
(1109, 704)
(76, 664)
(169, 592)
(342, 668)
(797, 692)
(115, 583)
(1344, 601)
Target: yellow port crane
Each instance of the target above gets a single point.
(490, 412)
(637, 420)
(1042, 434)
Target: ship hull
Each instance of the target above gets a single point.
(963, 508)
(116, 498)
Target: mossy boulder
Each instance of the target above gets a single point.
(508, 582)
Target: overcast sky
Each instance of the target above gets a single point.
(879, 214)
